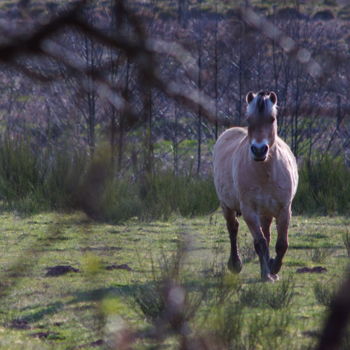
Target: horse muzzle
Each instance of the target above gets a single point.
(259, 151)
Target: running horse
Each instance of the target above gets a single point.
(256, 176)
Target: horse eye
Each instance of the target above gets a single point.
(272, 119)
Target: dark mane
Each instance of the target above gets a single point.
(263, 93)
(261, 100)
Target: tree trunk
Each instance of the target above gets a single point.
(199, 117)
(122, 119)
(216, 74)
(182, 12)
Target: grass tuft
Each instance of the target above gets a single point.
(324, 293)
(320, 255)
(346, 241)
(275, 296)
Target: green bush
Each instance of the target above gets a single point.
(323, 187)
(319, 255)
(324, 292)
(346, 241)
(275, 296)
(33, 181)
(166, 193)
(20, 170)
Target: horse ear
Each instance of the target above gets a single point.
(250, 96)
(273, 97)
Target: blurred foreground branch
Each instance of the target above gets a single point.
(139, 48)
(337, 320)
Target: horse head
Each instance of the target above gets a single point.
(262, 125)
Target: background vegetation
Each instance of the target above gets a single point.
(60, 139)
(109, 112)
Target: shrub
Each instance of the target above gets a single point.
(234, 328)
(346, 241)
(20, 170)
(227, 324)
(275, 296)
(323, 187)
(115, 200)
(268, 330)
(167, 299)
(319, 255)
(32, 181)
(166, 193)
(324, 293)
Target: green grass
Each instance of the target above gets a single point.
(75, 309)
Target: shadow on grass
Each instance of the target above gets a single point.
(97, 294)
(100, 293)
(40, 314)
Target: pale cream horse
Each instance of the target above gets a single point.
(256, 175)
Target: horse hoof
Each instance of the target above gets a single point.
(275, 266)
(269, 278)
(234, 266)
(275, 277)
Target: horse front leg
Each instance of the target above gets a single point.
(234, 262)
(260, 243)
(282, 221)
(265, 226)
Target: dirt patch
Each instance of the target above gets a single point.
(316, 269)
(101, 249)
(93, 344)
(46, 335)
(119, 267)
(19, 324)
(59, 270)
(97, 343)
(311, 334)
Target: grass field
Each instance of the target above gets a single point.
(118, 262)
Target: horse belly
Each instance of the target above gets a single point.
(264, 202)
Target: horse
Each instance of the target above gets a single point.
(256, 176)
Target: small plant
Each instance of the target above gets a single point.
(281, 294)
(227, 324)
(268, 330)
(252, 296)
(319, 255)
(324, 293)
(346, 241)
(166, 300)
(150, 301)
(275, 296)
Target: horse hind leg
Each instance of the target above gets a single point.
(234, 262)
